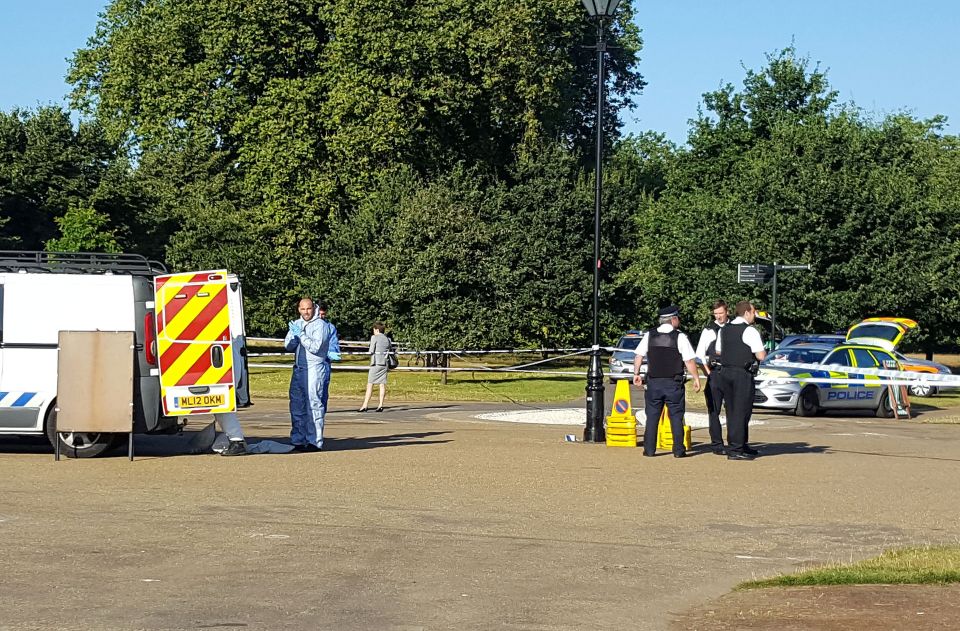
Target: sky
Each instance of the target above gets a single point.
(884, 56)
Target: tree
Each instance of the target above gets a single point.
(285, 115)
(83, 229)
(46, 166)
(417, 255)
(779, 173)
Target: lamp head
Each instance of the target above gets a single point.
(602, 9)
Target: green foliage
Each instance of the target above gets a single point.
(779, 174)
(83, 229)
(47, 165)
(545, 252)
(263, 131)
(430, 164)
(468, 259)
(417, 255)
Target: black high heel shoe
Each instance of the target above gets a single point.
(379, 410)
(362, 410)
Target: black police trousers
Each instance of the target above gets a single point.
(714, 396)
(662, 392)
(736, 385)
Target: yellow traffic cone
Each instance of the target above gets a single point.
(621, 424)
(665, 433)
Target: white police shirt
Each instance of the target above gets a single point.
(707, 338)
(683, 344)
(750, 337)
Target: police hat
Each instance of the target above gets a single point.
(669, 312)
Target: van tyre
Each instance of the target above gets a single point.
(808, 402)
(78, 444)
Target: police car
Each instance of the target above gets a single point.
(869, 344)
(784, 389)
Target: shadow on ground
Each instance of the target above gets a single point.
(772, 449)
(180, 445)
(373, 442)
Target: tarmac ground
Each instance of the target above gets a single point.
(423, 517)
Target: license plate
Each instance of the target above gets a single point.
(200, 401)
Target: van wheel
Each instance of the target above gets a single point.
(885, 409)
(808, 403)
(78, 444)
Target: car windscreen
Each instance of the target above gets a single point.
(628, 342)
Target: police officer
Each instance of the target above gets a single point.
(710, 360)
(740, 349)
(666, 350)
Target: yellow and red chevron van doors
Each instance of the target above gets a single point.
(194, 343)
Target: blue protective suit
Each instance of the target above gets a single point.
(333, 354)
(310, 343)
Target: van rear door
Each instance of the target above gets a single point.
(194, 343)
(238, 336)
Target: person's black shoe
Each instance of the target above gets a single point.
(299, 447)
(739, 456)
(312, 448)
(649, 455)
(235, 448)
(362, 410)
(751, 451)
(680, 454)
(719, 451)
(379, 410)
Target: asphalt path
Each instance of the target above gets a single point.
(426, 517)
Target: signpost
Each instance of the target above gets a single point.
(761, 274)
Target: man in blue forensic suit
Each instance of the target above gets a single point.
(333, 352)
(309, 339)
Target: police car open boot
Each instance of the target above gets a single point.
(235, 448)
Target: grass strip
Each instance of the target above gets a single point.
(480, 386)
(914, 566)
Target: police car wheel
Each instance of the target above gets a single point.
(808, 403)
(885, 410)
(78, 444)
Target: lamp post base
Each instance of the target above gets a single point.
(594, 432)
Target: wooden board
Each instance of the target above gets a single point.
(95, 381)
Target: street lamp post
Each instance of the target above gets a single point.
(599, 10)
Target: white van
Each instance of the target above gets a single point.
(43, 293)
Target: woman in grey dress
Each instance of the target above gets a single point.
(379, 349)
